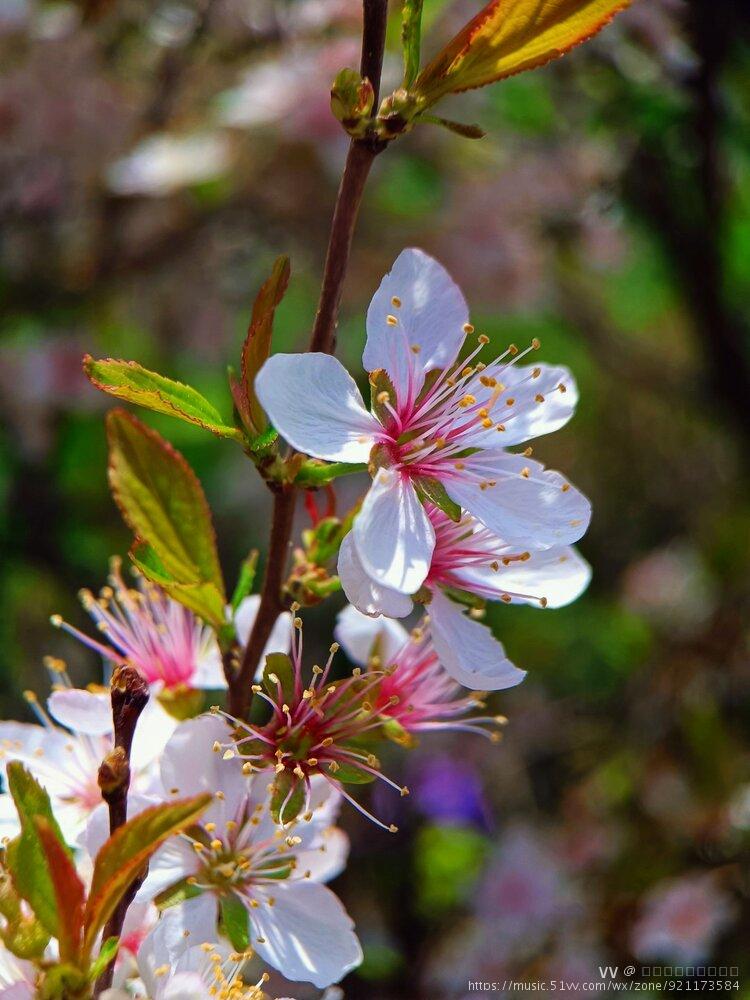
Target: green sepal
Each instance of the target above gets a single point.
(107, 954)
(235, 922)
(314, 473)
(466, 597)
(432, 491)
(177, 893)
(280, 665)
(182, 702)
(380, 382)
(394, 731)
(349, 774)
(287, 798)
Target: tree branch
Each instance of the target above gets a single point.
(129, 693)
(360, 157)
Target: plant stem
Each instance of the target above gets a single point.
(129, 693)
(271, 603)
(360, 157)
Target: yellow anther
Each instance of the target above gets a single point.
(483, 339)
(536, 343)
(383, 397)
(539, 398)
(396, 302)
(391, 320)
(468, 328)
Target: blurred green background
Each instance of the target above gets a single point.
(156, 157)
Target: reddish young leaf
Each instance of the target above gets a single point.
(70, 893)
(509, 36)
(126, 852)
(257, 344)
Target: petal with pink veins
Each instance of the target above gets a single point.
(468, 650)
(429, 312)
(370, 597)
(313, 402)
(393, 534)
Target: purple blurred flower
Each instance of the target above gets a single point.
(450, 791)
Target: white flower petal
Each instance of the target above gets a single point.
(82, 711)
(153, 730)
(369, 597)
(315, 404)
(393, 534)
(559, 575)
(307, 934)
(244, 617)
(328, 859)
(468, 650)
(428, 332)
(190, 766)
(174, 861)
(280, 639)
(209, 670)
(539, 406)
(363, 636)
(179, 930)
(528, 505)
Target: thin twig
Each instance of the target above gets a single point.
(360, 157)
(129, 693)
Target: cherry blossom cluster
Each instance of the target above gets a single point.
(453, 518)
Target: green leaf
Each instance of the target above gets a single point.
(432, 491)
(235, 922)
(70, 894)
(107, 954)
(411, 37)
(203, 598)
(280, 665)
(26, 858)
(287, 798)
(245, 580)
(123, 856)
(348, 774)
(257, 344)
(163, 502)
(130, 381)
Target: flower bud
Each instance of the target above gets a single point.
(352, 98)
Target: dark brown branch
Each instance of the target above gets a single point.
(359, 159)
(129, 693)
(271, 603)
